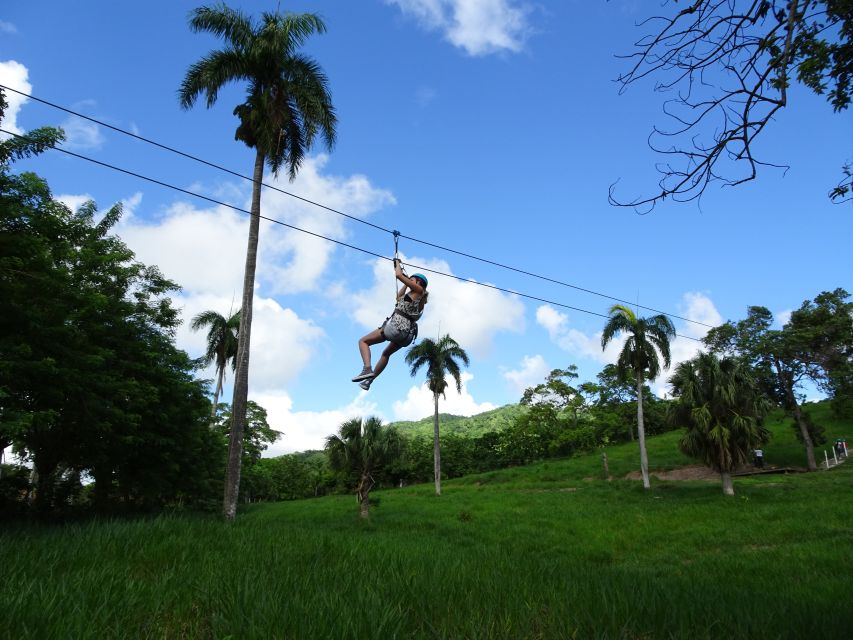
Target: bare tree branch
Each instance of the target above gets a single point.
(730, 64)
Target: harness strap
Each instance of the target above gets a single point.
(405, 315)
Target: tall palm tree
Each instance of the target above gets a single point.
(287, 104)
(361, 448)
(719, 402)
(440, 358)
(221, 345)
(646, 336)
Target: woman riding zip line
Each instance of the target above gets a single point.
(399, 329)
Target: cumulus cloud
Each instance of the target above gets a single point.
(574, 341)
(782, 317)
(695, 306)
(294, 261)
(533, 370)
(204, 251)
(419, 401)
(15, 75)
(81, 135)
(73, 201)
(479, 27)
(471, 314)
(305, 430)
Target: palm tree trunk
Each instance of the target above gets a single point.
(641, 433)
(241, 378)
(728, 486)
(216, 394)
(436, 448)
(363, 498)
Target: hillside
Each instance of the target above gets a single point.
(468, 426)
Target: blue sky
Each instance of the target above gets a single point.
(493, 127)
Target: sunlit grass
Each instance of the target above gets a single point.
(546, 551)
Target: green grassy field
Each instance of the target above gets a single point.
(545, 551)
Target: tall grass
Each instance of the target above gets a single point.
(547, 551)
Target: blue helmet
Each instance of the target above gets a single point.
(421, 277)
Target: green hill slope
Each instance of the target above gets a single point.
(468, 426)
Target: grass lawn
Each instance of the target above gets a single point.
(545, 551)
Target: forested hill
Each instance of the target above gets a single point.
(470, 427)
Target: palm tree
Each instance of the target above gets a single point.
(646, 336)
(440, 359)
(361, 448)
(719, 402)
(221, 345)
(287, 104)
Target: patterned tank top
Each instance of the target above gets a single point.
(410, 308)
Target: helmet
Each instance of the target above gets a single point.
(421, 277)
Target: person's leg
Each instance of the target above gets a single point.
(383, 359)
(364, 344)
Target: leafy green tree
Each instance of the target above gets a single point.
(221, 345)
(816, 345)
(440, 358)
(90, 379)
(646, 337)
(730, 66)
(824, 330)
(557, 393)
(257, 434)
(360, 449)
(287, 105)
(719, 403)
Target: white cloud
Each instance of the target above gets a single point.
(480, 27)
(533, 370)
(470, 313)
(419, 401)
(283, 343)
(576, 342)
(305, 430)
(130, 205)
(695, 306)
(204, 251)
(15, 75)
(81, 135)
(7, 27)
(294, 261)
(782, 317)
(553, 320)
(73, 201)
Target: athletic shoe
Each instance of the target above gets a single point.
(365, 384)
(366, 374)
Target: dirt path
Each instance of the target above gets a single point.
(692, 472)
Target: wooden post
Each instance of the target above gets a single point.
(826, 457)
(834, 455)
(606, 467)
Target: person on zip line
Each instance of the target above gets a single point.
(399, 329)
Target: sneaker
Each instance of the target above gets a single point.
(366, 374)
(365, 384)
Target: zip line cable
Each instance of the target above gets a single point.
(194, 158)
(316, 235)
(396, 234)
